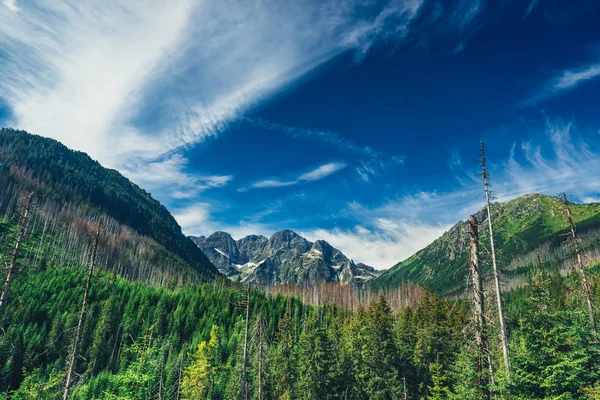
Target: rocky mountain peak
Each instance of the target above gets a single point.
(289, 239)
(284, 257)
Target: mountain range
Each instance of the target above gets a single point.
(143, 240)
(285, 257)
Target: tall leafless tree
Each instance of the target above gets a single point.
(478, 301)
(244, 383)
(260, 341)
(23, 222)
(88, 282)
(503, 335)
(579, 267)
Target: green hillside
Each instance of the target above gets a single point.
(523, 227)
(69, 178)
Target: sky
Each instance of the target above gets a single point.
(354, 121)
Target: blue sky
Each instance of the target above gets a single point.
(357, 122)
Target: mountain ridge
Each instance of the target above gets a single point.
(285, 257)
(530, 223)
(78, 188)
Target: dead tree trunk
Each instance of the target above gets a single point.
(86, 291)
(478, 301)
(258, 337)
(26, 213)
(260, 359)
(503, 336)
(585, 285)
(244, 384)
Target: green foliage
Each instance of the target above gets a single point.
(554, 354)
(199, 376)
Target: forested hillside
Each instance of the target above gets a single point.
(71, 187)
(524, 228)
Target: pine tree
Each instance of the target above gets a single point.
(380, 353)
(465, 376)
(283, 364)
(554, 353)
(438, 390)
(315, 363)
(353, 349)
(199, 377)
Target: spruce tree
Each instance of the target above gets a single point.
(555, 352)
(315, 363)
(380, 353)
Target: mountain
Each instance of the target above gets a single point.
(72, 188)
(523, 228)
(286, 257)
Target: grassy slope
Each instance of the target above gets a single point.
(520, 226)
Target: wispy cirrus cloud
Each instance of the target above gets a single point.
(370, 162)
(395, 229)
(172, 174)
(530, 8)
(321, 172)
(565, 81)
(11, 4)
(130, 82)
(316, 174)
(330, 138)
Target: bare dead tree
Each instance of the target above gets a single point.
(503, 336)
(259, 338)
(244, 383)
(579, 267)
(25, 216)
(478, 302)
(75, 349)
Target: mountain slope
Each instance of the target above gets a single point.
(284, 258)
(524, 227)
(69, 178)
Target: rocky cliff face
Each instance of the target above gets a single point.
(286, 257)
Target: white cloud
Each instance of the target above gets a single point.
(79, 72)
(566, 80)
(270, 183)
(321, 172)
(11, 4)
(72, 70)
(381, 248)
(91, 74)
(314, 175)
(195, 220)
(170, 175)
(192, 216)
